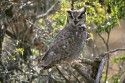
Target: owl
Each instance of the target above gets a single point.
(67, 45)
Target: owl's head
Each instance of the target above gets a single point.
(77, 17)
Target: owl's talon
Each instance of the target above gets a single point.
(76, 62)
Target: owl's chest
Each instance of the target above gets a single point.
(74, 40)
(70, 39)
(77, 36)
(74, 44)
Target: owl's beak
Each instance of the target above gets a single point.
(76, 22)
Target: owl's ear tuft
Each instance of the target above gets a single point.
(69, 13)
(83, 10)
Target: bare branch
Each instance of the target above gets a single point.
(112, 51)
(76, 78)
(107, 54)
(102, 38)
(87, 61)
(49, 10)
(99, 74)
(88, 79)
(67, 80)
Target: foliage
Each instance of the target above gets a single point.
(119, 59)
(116, 78)
(103, 20)
(21, 54)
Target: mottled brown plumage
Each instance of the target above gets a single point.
(69, 42)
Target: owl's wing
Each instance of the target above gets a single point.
(58, 49)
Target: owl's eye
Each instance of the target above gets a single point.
(70, 16)
(80, 17)
(82, 14)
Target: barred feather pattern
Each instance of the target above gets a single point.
(69, 42)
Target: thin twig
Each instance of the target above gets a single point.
(72, 73)
(66, 79)
(49, 10)
(102, 38)
(76, 78)
(107, 48)
(107, 67)
(111, 51)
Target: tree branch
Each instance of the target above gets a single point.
(88, 79)
(111, 51)
(100, 69)
(87, 61)
(49, 10)
(67, 80)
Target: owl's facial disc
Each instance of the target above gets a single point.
(77, 17)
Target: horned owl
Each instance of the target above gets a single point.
(69, 42)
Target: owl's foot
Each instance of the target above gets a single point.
(76, 63)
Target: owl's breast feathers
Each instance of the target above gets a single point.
(66, 46)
